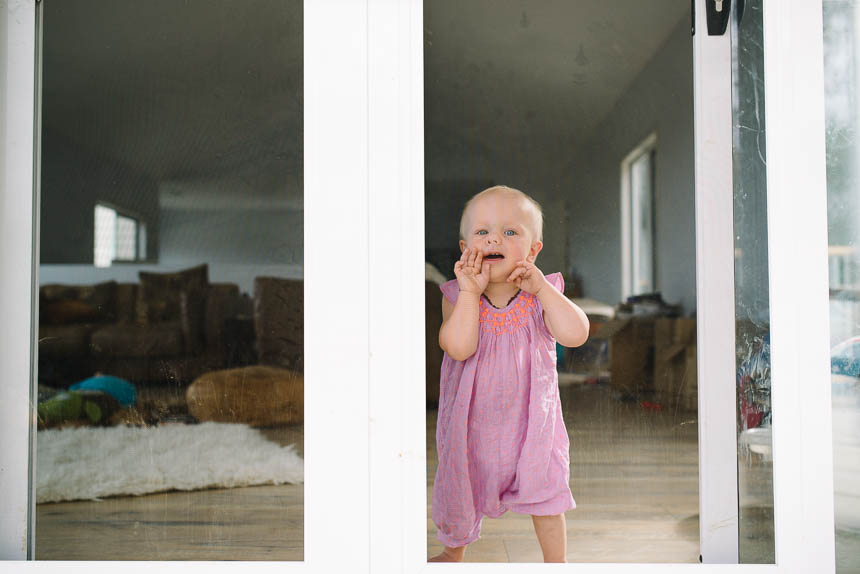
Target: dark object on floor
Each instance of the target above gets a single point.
(647, 304)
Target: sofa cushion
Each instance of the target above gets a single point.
(131, 340)
(279, 321)
(62, 341)
(126, 302)
(67, 312)
(222, 301)
(66, 304)
(160, 294)
(176, 296)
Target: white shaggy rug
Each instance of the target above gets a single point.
(90, 463)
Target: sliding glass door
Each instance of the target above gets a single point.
(408, 109)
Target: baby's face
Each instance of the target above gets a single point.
(501, 226)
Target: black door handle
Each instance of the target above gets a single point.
(718, 16)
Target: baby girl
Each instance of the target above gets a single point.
(500, 436)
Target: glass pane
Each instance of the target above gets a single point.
(752, 307)
(841, 18)
(550, 99)
(170, 385)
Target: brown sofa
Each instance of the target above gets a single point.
(168, 327)
(279, 322)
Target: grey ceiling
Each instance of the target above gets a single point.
(205, 96)
(551, 67)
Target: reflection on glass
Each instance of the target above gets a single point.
(841, 19)
(170, 352)
(554, 99)
(752, 306)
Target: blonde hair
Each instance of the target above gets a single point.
(498, 189)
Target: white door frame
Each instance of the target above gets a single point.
(17, 273)
(797, 268)
(715, 290)
(363, 63)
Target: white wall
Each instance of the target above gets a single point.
(659, 100)
(238, 244)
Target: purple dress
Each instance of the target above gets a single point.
(500, 437)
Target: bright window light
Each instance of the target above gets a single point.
(105, 236)
(638, 251)
(117, 237)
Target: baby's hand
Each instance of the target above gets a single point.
(473, 274)
(527, 277)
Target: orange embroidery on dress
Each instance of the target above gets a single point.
(509, 321)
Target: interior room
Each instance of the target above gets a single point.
(170, 358)
(588, 108)
(171, 267)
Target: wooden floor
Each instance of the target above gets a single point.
(256, 523)
(253, 523)
(634, 475)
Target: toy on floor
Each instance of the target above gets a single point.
(93, 407)
(91, 401)
(120, 389)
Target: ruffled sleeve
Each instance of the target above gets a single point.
(557, 281)
(451, 290)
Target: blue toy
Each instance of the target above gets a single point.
(120, 389)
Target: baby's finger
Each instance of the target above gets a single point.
(515, 273)
(464, 256)
(478, 258)
(471, 261)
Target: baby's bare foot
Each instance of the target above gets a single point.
(449, 555)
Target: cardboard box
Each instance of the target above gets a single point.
(675, 373)
(592, 358)
(631, 354)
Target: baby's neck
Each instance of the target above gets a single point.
(500, 293)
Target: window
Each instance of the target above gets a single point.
(118, 237)
(637, 219)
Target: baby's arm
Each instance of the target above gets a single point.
(458, 335)
(564, 319)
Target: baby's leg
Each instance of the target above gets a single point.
(552, 534)
(450, 555)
